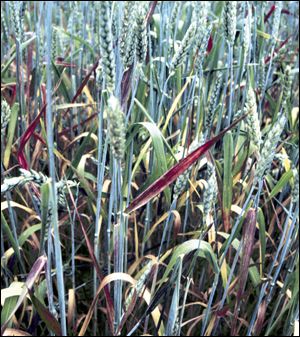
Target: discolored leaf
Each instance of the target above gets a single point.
(171, 175)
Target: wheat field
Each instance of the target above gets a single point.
(149, 168)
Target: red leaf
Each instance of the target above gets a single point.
(10, 94)
(65, 64)
(25, 138)
(223, 312)
(248, 239)
(272, 9)
(267, 59)
(261, 315)
(171, 175)
(45, 314)
(31, 278)
(285, 11)
(30, 131)
(82, 85)
(151, 11)
(126, 86)
(74, 127)
(109, 302)
(209, 45)
(38, 137)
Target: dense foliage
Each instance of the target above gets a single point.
(149, 168)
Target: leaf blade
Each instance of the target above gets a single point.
(171, 175)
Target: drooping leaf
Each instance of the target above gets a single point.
(32, 276)
(281, 183)
(11, 133)
(171, 175)
(227, 180)
(46, 315)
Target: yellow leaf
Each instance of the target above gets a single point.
(4, 205)
(263, 34)
(286, 161)
(14, 289)
(174, 104)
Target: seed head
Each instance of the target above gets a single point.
(262, 75)
(174, 15)
(186, 44)
(212, 103)
(26, 176)
(17, 10)
(182, 180)
(127, 37)
(54, 45)
(202, 38)
(210, 193)
(141, 35)
(252, 121)
(267, 152)
(287, 83)
(139, 284)
(200, 12)
(276, 20)
(5, 116)
(247, 32)
(128, 57)
(229, 21)
(106, 47)
(4, 29)
(116, 127)
(295, 189)
(38, 178)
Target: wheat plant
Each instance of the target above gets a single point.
(149, 168)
